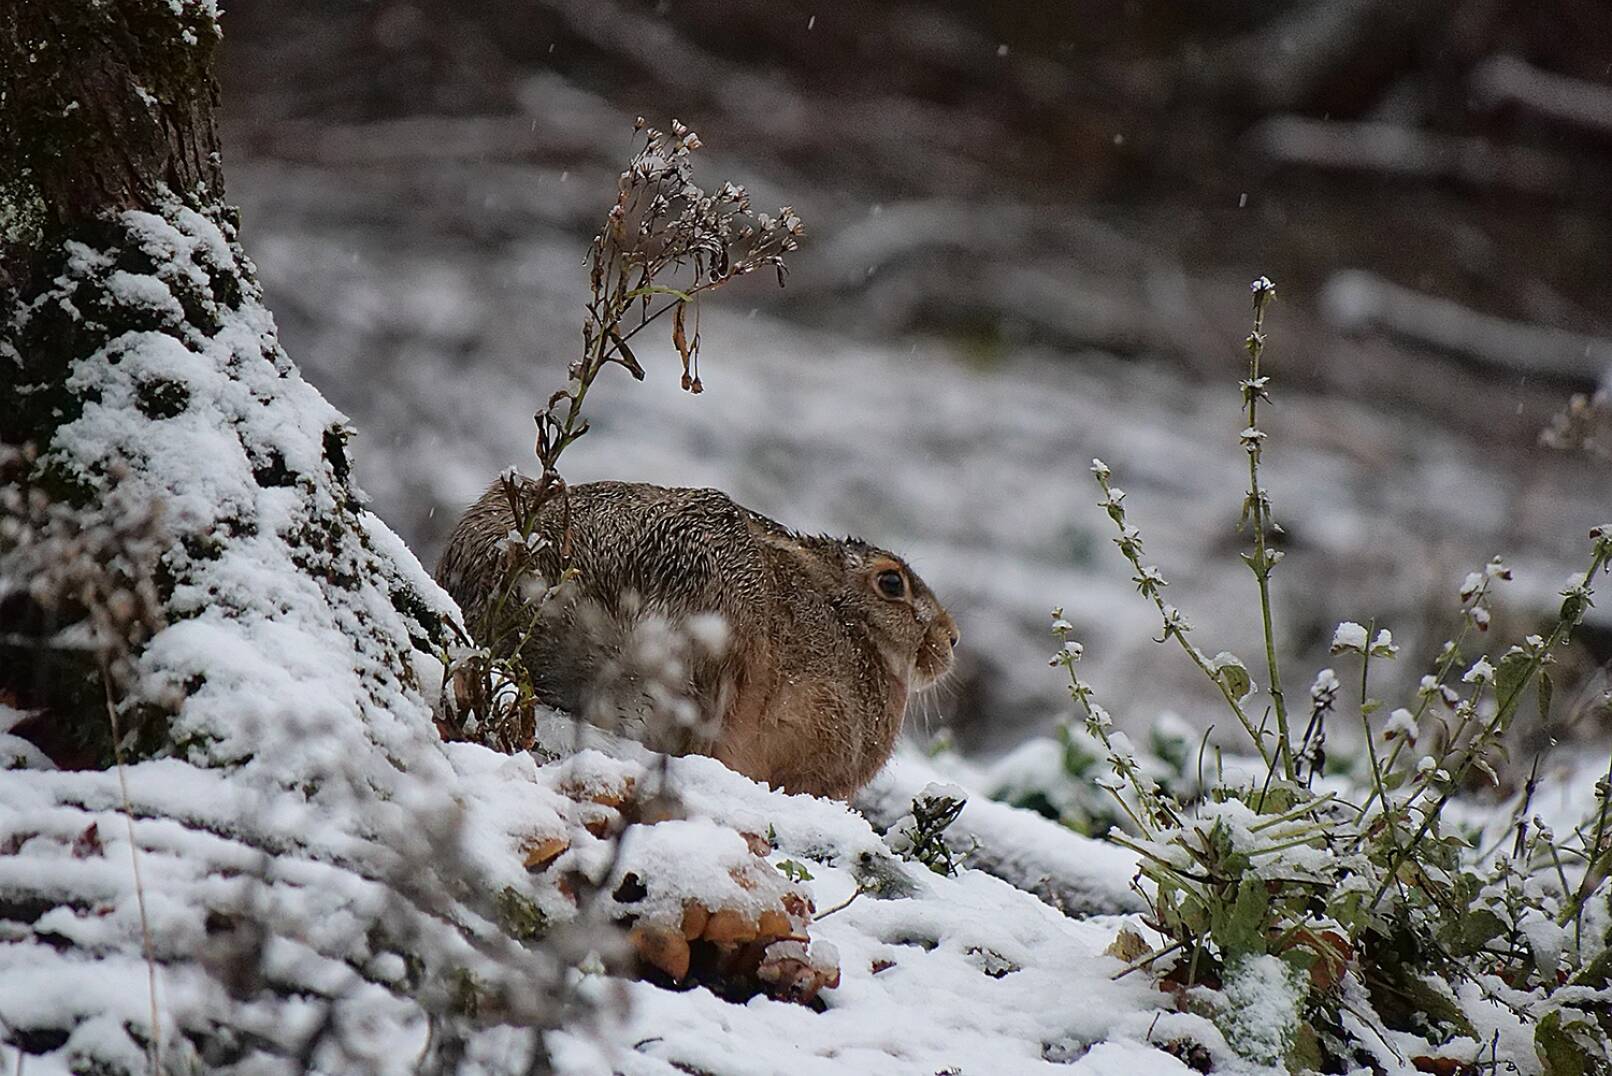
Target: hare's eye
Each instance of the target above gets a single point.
(891, 584)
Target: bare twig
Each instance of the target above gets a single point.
(1257, 512)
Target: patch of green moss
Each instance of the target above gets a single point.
(202, 546)
(335, 444)
(272, 473)
(161, 398)
(424, 624)
(466, 995)
(63, 484)
(317, 549)
(520, 917)
(170, 46)
(147, 732)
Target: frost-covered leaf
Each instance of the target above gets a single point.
(1570, 1043)
(1261, 1009)
(1233, 675)
(1401, 725)
(1349, 637)
(1383, 645)
(1481, 672)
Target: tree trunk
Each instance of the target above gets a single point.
(138, 368)
(208, 649)
(110, 104)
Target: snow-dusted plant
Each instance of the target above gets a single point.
(1320, 926)
(1057, 775)
(664, 243)
(1584, 425)
(920, 834)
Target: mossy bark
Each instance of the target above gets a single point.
(109, 139)
(187, 573)
(106, 104)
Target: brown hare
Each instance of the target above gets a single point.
(789, 657)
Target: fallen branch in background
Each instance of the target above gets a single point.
(1080, 876)
(1358, 301)
(418, 140)
(1400, 151)
(1300, 47)
(1505, 80)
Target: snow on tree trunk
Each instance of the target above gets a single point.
(142, 373)
(184, 559)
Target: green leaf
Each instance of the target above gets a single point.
(1406, 999)
(1575, 603)
(658, 289)
(519, 915)
(795, 872)
(1569, 1044)
(1305, 1054)
(1239, 927)
(1280, 798)
(1511, 674)
(1475, 929)
(1547, 688)
(1233, 675)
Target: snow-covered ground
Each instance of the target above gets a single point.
(965, 973)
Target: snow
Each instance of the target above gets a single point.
(306, 761)
(1325, 687)
(1401, 724)
(1075, 873)
(1349, 636)
(932, 1009)
(1262, 996)
(965, 972)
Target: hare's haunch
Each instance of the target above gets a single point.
(711, 628)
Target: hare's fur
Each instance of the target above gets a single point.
(712, 628)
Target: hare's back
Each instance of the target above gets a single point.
(685, 550)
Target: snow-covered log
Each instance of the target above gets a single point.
(1355, 300)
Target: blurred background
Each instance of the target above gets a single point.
(1031, 228)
